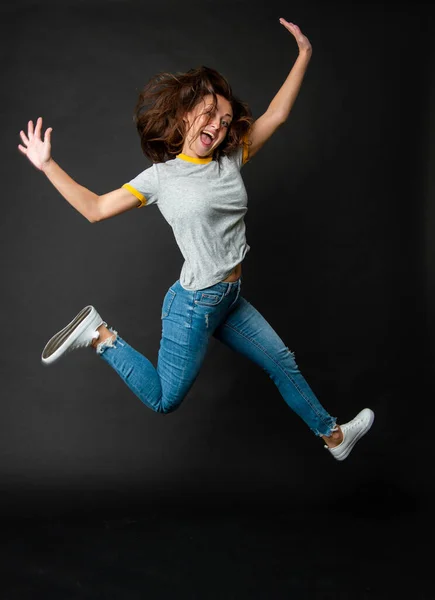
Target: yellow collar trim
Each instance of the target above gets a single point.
(198, 161)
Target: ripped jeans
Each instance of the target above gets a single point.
(189, 318)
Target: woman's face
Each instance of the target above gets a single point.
(200, 120)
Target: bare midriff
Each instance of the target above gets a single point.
(235, 273)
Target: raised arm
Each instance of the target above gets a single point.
(281, 105)
(92, 206)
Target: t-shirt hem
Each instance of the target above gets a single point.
(216, 279)
(202, 286)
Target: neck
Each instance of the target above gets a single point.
(195, 159)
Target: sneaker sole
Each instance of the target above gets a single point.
(55, 347)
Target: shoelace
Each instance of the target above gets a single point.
(353, 424)
(350, 425)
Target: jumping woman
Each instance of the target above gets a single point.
(197, 135)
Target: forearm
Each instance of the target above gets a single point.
(283, 102)
(82, 199)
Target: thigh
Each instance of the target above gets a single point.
(182, 347)
(245, 330)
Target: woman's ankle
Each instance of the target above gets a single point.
(104, 334)
(335, 438)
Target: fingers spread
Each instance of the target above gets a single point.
(47, 135)
(38, 127)
(24, 137)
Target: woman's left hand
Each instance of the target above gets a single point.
(302, 41)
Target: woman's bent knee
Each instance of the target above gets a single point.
(166, 409)
(162, 405)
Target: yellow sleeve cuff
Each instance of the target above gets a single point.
(245, 155)
(138, 195)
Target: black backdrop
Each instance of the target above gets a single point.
(341, 261)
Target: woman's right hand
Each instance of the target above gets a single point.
(38, 151)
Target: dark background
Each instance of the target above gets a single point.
(342, 264)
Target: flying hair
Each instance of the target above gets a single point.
(167, 97)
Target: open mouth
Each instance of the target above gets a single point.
(206, 139)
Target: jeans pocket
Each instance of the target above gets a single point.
(167, 302)
(209, 299)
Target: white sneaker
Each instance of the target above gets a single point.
(352, 432)
(79, 333)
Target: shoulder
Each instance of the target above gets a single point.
(166, 165)
(238, 156)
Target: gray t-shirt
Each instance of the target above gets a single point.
(204, 201)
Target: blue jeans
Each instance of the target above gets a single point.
(189, 318)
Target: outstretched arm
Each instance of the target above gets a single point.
(281, 105)
(90, 205)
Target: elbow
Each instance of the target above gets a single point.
(280, 116)
(277, 117)
(94, 216)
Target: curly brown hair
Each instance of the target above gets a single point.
(166, 98)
